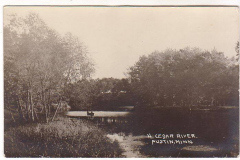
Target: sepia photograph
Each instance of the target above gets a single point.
(121, 81)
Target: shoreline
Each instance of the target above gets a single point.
(130, 144)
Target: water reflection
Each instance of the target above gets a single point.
(111, 120)
(115, 125)
(210, 125)
(217, 129)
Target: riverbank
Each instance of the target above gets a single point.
(130, 144)
(61, 138)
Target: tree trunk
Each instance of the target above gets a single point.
(32, 107)
(21, 116)
(59, 104)
(49, 102)
(35, 114)
(28, 106)
(45, 107)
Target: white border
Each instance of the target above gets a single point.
(120, 2)
(174, 3)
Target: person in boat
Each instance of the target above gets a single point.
(90, 113)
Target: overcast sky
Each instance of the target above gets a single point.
(117, 36)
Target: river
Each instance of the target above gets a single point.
(215, 132)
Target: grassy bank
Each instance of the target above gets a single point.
(61, 138)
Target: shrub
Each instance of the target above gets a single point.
(61, 138)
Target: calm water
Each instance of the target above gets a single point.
(216, 132)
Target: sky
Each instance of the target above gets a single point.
(117, 36)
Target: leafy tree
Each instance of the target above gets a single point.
(185, 77)
(38, 63)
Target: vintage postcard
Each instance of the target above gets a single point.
(121, 81)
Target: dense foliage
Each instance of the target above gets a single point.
(186, 77)
(99, 94)
(38, 63)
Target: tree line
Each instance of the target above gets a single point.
(43, 69)
(186, 78)
(99, 94)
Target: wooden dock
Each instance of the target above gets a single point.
(99, 113)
